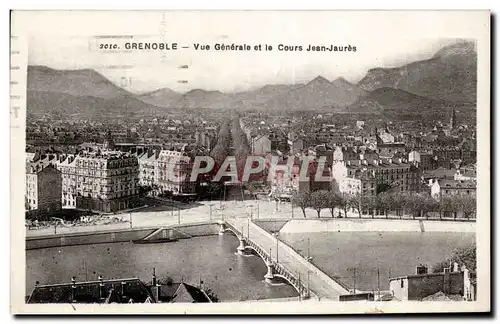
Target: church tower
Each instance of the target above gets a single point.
(453, 119)
(109, 143)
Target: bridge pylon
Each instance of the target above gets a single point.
(222, 228)
(269, 277)
(242, 248)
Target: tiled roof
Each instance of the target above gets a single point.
(88, 292)
(457, 184)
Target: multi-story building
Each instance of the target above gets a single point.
(453, 281)
(148, 165)
(261, 145)
(100, 181)
(376, 176)
(174, 170)
(445, 187)
(43, 188)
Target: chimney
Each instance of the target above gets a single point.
(155, 290)
(73, 288)
(446, 281)
(123, 289)
(421, 269)
(102, 292)
(455, 267)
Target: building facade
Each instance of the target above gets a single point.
(43, 188)
(261, 145)
(174, 172)
(100, 181)
(370, 177)
(452, 281)
(148, 168)
(445, 187)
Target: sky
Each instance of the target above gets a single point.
(67, 40)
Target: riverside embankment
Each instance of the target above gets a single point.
(366, 225)
(120, 235)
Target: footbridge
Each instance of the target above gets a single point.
(283, 263)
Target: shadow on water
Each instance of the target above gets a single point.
(210, 259)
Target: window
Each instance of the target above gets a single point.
(402, 283)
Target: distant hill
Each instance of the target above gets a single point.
(199, 98)
(318, 93)
(446, 79)
(451, 74)
(80, 92)
(396, 101)
(162, 97)
(41, 102)
(257, 98)
(86, 82)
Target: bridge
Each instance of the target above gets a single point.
(283, 263)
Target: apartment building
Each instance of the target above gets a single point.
(99, 181)
(43, 188)
(369, 177)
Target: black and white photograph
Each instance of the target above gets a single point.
(265, 162)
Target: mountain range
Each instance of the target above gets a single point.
(448, 78)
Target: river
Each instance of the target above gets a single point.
(391, 254)
(212, 258)
(233, 277)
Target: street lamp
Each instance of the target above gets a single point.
(308, 249)
(277, 249)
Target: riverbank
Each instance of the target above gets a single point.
(120, 235)
(372, 225)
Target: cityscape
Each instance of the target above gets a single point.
(324, 190)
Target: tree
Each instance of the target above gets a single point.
(428, 204)
(252, 188)
(463, 256)
(355, 202)
(333, 202)
(444, 205)
(144, 190)
(411, 203)
(319, 200)
(468, 206)
(385, 201)
(343, 203)
(301, 200)
(398, 203)
(450, 204)
(213, 297)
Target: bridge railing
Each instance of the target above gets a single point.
(279, 268)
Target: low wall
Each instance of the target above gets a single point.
(117, 235)
(375, 225)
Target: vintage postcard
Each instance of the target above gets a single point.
(250, 162)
